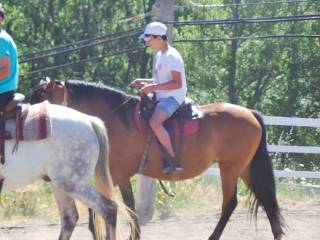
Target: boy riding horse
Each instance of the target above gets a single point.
(169, 85)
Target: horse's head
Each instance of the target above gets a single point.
(52, 90)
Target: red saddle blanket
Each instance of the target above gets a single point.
(34, 124)
(191, 126)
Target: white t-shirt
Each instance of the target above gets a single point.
(166, 62)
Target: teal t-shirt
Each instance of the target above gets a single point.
(8, 48)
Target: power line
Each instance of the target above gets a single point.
(198, 5)
(176, 41)
(277, 19)
(132, 50)
(134, 18)
(247, 38)
(29, 56)
(90, 44)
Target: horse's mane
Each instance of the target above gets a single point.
(80, 90)
(118, 100)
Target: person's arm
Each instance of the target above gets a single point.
(4, 67)
(175, 83)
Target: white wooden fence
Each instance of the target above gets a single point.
(285, 121)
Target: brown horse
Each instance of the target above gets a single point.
(231, 135)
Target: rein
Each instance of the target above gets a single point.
(65, 99)
(122, 104)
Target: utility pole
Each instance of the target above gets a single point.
(146, 187)
(164, 13)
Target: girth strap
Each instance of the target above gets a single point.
(147, 145)
(1, 185)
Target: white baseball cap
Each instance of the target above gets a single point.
(154, 28)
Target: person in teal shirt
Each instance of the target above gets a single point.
(9, 68)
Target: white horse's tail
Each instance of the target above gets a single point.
(103, 179)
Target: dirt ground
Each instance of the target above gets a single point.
(303, 222)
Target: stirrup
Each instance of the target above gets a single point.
(169, 168)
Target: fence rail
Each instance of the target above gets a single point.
(286, 121)
(292, 121)
(277, 173)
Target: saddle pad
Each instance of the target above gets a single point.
(34, 123)
(191, 126)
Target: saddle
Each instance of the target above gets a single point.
(21, 122)
(185, 121)
(11, 111)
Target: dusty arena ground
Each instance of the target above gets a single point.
(303, 221)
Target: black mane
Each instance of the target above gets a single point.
(117, 100)
(80, 90)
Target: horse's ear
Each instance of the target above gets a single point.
(44, 81)
(50, 84)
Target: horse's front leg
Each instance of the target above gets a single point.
(128, 198)
(68, 213)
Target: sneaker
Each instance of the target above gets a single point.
(168, 169)
(178, 169)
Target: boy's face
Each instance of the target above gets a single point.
(152, 41)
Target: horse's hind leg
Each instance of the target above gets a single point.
(91, 222)
(98, 203)
(128, 198)
(68, 213)
(229, 190)
(269, 204)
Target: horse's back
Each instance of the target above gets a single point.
(227, 113)
(232, 129)
(71, 147)
(71, 126)
(62, 113)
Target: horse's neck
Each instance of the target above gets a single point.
(125, 113)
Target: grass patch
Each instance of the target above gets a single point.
(33, 200)
(36, 200)
(206, 193)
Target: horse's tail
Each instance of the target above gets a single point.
(263, 184)
(103, 178)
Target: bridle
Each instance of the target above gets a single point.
(48, 94)
(65, 94)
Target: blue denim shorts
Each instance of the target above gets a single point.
(169, 105)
